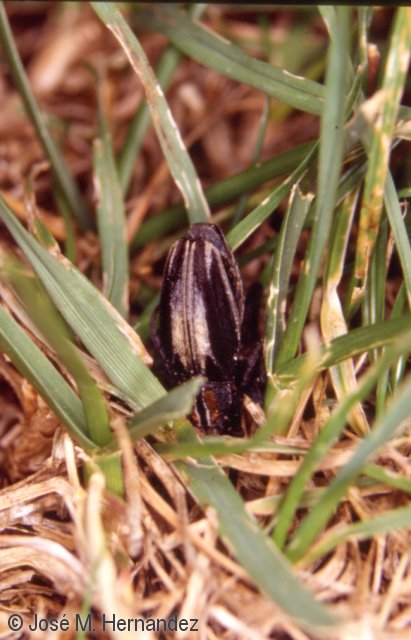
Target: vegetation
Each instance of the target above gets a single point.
(289, 128)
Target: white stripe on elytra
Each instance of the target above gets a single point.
(228, 290)
(178, 320)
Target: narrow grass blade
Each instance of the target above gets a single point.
(37, 369)
(245, 228)
(222, 192)
(111, 219)
(165, 69)
(225, 57)
(179, 162)
(222, 446)
(175, 405)
(69, 242)
(283, 260)
(383, 108)
(399, 368)
(333, 323)
(63, 178)
(143, 327)
(384, 476)
(399, 230)
(349, 345)
(374, 305)
(102, 330)
(330, 159)
(262, 560)
(365, 15)
(242, 203)
(381, 433)
(374, 301)
(382, 524)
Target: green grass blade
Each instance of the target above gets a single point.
(37, 369)
(143, 325)
(258, 145)
(382, 432)
(365, 15)
(225, 57)
(283, 261)
(252, 221)
(165, 69)
(384, 476)
(175, 405)
(69, 243)
(330, 159)
(333, 323)
(399, 230)
(386, 104)
(179, 162)
(346, 346)
(399, 368)
(262, 560)
(374, 304)
(111, 219)
(164, 72)
(222, 446)
(222, 192)
(382, 524)
(62, 176)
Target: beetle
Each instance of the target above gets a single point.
(197, 329)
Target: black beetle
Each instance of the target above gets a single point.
(197, 329)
